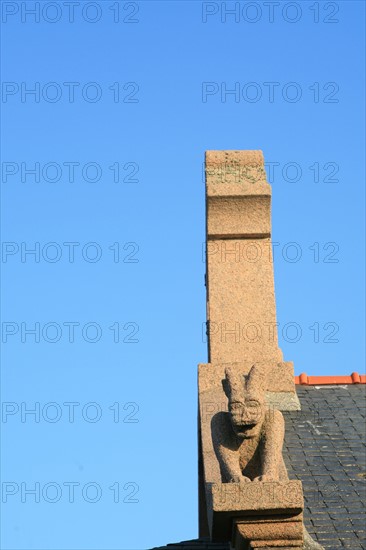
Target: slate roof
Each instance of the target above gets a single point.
(325, 447)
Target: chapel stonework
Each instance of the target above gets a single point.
(246, 497)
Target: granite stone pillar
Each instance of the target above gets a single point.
(244, 491)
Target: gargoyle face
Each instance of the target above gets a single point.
(246, 400)
(245, 416)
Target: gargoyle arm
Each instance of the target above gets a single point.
(274, 431)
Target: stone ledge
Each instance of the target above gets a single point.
(238, 217)
(256, 502)
(280, 496)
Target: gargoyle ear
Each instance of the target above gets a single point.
(234, 383)
(257, 379)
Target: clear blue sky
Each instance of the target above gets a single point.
(143, 91)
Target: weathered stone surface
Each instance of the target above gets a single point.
(278, 497)
(248, 439)
(265, 504)
(271, 531)
(241, 309)
(212, 400)
(236, 173)
(243, 475)
(247, 445)
(283, 401)
(238, 217)
(243, 449)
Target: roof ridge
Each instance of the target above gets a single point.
(354, 378)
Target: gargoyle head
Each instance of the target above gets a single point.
(246, 399)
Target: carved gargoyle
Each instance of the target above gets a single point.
(248, 439)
